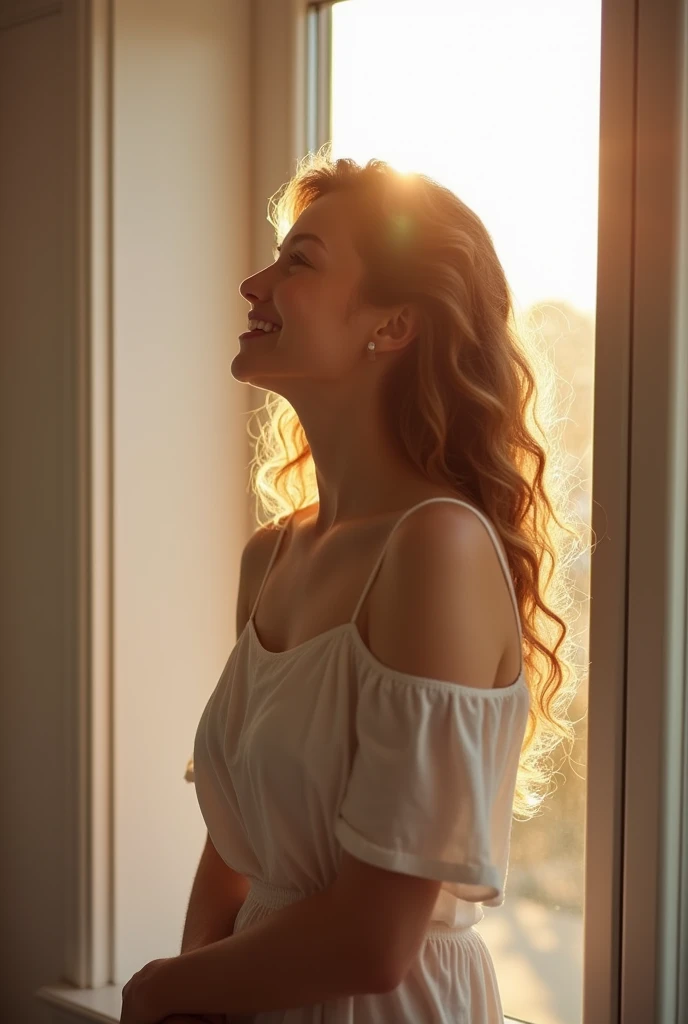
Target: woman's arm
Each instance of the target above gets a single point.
(217, 895)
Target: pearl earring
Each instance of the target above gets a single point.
(371, 352)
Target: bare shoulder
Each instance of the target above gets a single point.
(254, 559)
(447, 610)
(257, 553)
(443, 525)
(261, 541)
(446, 550)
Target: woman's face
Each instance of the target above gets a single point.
(308, 290)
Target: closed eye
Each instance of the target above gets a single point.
(294, 255)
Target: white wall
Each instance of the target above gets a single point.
(118, 574)
(181, 147)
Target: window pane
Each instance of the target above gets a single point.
(500, 102)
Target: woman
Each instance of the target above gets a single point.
(387, 703)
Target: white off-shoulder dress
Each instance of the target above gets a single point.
(301, 753)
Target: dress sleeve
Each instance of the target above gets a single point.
(431, 787)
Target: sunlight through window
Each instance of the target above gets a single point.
(500, 102)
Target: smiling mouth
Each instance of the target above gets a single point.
(258, 333)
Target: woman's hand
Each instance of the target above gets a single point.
(140, 1004)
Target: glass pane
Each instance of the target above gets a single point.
(499, 101)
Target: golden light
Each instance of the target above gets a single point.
(495, 99)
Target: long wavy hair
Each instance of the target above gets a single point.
(463, 403)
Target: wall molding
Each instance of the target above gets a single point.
(87, 34)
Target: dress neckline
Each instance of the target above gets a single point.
(351, 629)
(304, 643)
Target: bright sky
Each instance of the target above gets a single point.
(499, 101)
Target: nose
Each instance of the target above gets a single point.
(257, 298)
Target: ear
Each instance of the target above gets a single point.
(400, 328)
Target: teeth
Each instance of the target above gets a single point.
(262, 325)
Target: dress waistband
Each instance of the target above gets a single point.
(275, 896)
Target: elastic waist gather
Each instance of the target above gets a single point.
(275, 896)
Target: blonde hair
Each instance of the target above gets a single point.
(461, 400)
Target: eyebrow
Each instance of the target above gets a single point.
(303, 236)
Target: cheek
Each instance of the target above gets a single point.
(305, 303)
(291, 297)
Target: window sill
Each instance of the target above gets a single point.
(103, 1005)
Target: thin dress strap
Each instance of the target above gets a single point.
(491, 530)
(273, 556)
